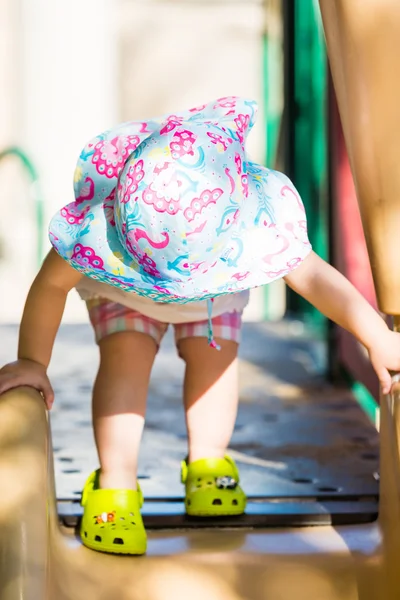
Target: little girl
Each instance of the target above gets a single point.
(171, 224)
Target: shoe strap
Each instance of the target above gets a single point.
(210, 464)
(92, 484)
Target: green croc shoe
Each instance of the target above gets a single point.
(212, 488)
(111, 519)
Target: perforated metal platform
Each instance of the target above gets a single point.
(303, 446)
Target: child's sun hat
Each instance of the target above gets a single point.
(172, 209)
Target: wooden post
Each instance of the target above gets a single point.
(363, 40)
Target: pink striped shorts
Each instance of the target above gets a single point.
(110, 317)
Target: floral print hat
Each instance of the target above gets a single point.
(172, 208)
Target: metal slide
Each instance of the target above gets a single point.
(354, 558)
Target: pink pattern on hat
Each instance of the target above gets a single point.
(141, 234)
(242, 122)
(110, 155)
(108, 206)
(162, 290)
(285, 245)
(226, 102)
(303, 225)
(241, 276)
(198, 204)
(276, 274)
(170, 124)
(149, 265)
(182, 143)
(164, 191)
(245, 185)
(238, 163)
(294, 262)
(86, 191)
(134, 176)
(143, 259)
(231, 180)
(86, 257)
(198, 108)
(287, 189)
(161, 203)
(74, 216)
(218, 139)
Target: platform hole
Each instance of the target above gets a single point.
(217, 502)
(369, 456)
(118, 541)
(303, 480)
(270, 418)
(235, 502)
(97, 538)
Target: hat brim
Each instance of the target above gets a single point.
(269, 241)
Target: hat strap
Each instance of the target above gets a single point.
(211, 341)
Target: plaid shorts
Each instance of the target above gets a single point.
(110, 317)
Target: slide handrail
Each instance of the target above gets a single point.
(35, 190)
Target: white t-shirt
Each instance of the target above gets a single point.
(165, 312)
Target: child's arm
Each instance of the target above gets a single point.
(41, 319)
(331, 293)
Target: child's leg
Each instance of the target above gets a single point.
(119, 405)
(128, 345)
(211, 398)
(211, 384)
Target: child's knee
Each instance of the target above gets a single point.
(127, 349)
(197, 351)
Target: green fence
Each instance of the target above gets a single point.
(297, 138)
(36, 194)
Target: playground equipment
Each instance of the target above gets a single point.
(35, 192)
(41, 560)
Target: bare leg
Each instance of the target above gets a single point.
(210, 395)
(119, 405)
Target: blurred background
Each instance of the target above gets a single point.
(69, 70)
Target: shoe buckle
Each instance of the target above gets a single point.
(226, 483)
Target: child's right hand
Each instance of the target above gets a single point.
(384, 354)
(28, 373)
(41, 319)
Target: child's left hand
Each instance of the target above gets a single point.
(384, 355)
(331, 293)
